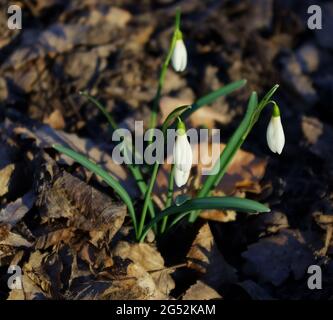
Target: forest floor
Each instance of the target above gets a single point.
(70, 233)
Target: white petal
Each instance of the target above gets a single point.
(275, 135)
(179, 56)
(182, 154)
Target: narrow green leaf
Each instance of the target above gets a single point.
(101, 108)
(232, 146)
(135, 171)
(173, 115)
(223, 203)
(229, 151)
(211, 97)
(113, 183)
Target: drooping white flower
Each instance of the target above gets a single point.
(275, 135)
(182, 155)
(179, 56)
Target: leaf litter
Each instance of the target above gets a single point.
(70, 247)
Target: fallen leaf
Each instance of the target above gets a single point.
(125, 280)
(319, 136)
(16, 210)
(62, 195)
(275, 258)
(205, 257)
(5, 176)
(150, 260)
(54, 238)
(201, 291)
(45, 137)
(12, 239)
(55, 120)
(205, 116)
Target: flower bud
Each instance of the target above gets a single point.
(275, 135)
(182, 155)
(179, 56)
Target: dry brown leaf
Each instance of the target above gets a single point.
(5, 176)
(55, 120)
(45, 137)
(36, 284)
(6, 253)
(136, 284)
(319, 136)
(29, 291)
(201, 291)
(218, 215)
(12, 239)
(16, 210)
(273, 259)
(96, 258)
(125, 280)
(205, 116)
(150, 260)
(205, 257)
(54, 238)
(62, 195)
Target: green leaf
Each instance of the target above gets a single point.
(211, 97)
(235, 142)
(231, 148)
(101, 108)
(135, 171)
(223, 203)
(181, 199)
(174, 115)
(113, 183)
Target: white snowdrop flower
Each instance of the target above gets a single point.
(275, 135)
(182, 155)
(179, 56)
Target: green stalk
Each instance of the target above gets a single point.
(156, 101)
(170, 118)
(168, 202)
(147, 197)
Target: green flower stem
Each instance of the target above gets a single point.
(170, 118)
(147, 198)
(171, 184)
(156, 101)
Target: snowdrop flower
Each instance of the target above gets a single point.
(179, 54)
(182, 155)
(275, 135)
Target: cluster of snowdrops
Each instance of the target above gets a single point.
(176, 210)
